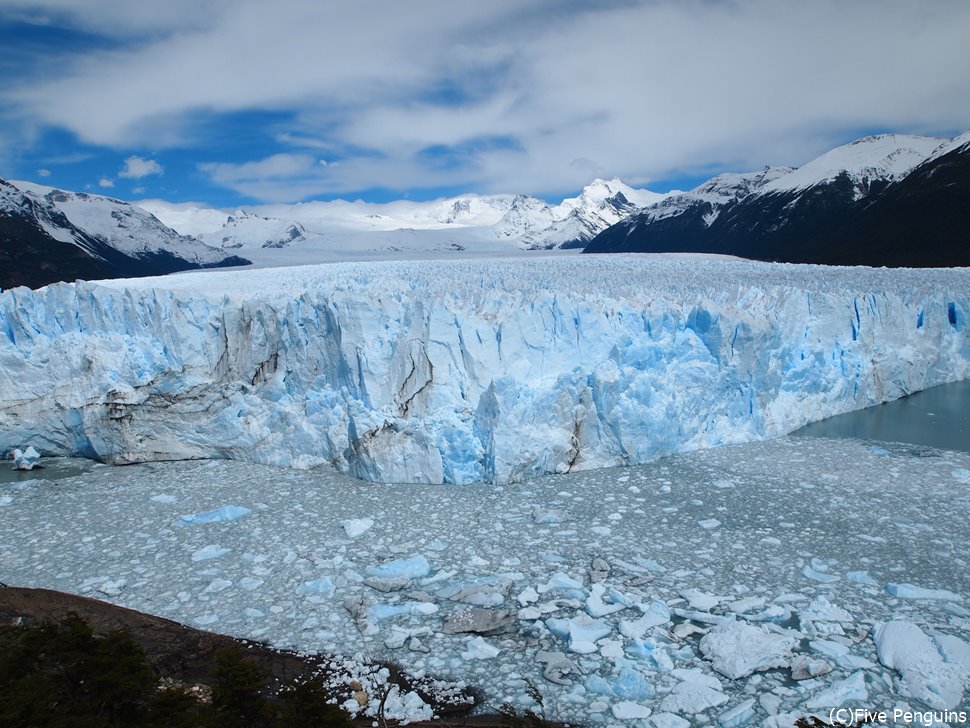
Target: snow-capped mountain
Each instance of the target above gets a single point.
(685, 216)
(526, 216)
(468, 224)
(245, 230)
(873, 160)
(117, 239)
(802, 215)
(577, 220)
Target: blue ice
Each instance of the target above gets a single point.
(219, 515)
(410, 568)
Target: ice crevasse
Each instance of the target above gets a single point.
(467, 371)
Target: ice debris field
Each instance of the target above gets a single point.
(467, 371)
(750, 584)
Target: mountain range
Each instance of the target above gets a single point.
(468, 224)
(49, 235)
(886, 200)
(890, 199)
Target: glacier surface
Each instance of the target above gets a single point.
(467, 371)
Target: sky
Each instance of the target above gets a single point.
(232, 102)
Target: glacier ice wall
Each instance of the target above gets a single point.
(467, 371)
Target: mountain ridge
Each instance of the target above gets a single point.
(48, 235)
(849, 206)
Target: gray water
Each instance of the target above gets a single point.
(47, 469)
(938, 417)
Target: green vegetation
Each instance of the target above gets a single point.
(61, 674)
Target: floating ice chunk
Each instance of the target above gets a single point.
(163, 498)
(410, 568)
(400, 635)
(955, 652)
(561, 582)
(596, 607)
(846, 692)
(709, 523)
(322, 586)
(354, 527)
(25, 459)
(478, 649)
(549, 515)
(204, 620)
(701, 617)
(212, 551)
(219, 515)
(581, 631)
(654, 614)
(558, 666)
(668, 720)
(746, 605)
(697, 677)
(628, 710)
(956, 609)
(692, 697)
(217, 585)
(905, 648)
(489, 591)
(961, 474)
(598, 685)
(484, 621)
(250, 583)
(861, 577)
(386, 585)
(741, 714)
(528, 596)
(700, 600)
(840, 653)
(378, 612)
(819, 576)
(653, 654)
(737, 650)
(879, 451)
(908, 591)
(112, 587)
(253, 613)
(804, 667)
(631, 685)
(822, 610)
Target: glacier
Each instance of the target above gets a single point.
(467, 371)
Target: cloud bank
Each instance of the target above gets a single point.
(498, 97)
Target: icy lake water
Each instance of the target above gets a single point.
(52, 469)
(938, 417)
(598, 586)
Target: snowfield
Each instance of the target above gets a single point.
(467, 371)
(836, 576)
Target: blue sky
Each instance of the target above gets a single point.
(234, 102)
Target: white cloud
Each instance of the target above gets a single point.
(638, 88)
(136, 168)
(43, 173)
(105, 182)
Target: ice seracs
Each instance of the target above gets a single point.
(25, 459)
(468, 371)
